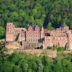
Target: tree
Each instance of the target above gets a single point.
(6, 67)
(2, 32)
(20, 12)
(58, 65)
(49, 27)
(16, 69)
(67, 66)
(46, 63)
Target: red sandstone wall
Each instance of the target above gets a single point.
(48, 42)
(32, 35)
(57, 37)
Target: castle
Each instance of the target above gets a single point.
(35, 37)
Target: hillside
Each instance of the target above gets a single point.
(40, 12)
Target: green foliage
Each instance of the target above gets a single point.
(6, 67)
(61, 49)
(21, 12)
(50, 26)
(58, 65)
(2, 32)
(18, 62)
(46, 63)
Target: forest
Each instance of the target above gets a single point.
(19, 62)
(47, 13)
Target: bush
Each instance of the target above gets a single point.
(2, 32)
(60, 49)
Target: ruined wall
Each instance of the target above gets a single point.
(32, 36)
(48, 42)
(59, 37)
(60, 41)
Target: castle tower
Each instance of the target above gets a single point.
(10, 30)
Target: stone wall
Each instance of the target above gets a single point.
(58, 37)
(38, 52)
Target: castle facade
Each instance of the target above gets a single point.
(35, 37)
